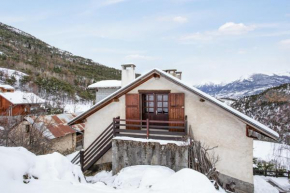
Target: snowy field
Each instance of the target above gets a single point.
(271, 151)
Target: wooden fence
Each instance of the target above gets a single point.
(273, 173)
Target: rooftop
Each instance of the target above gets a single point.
(106, 84)
(19, 97)
(6, 86)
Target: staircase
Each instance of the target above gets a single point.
(96, 150)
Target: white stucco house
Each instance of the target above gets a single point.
(161, 97)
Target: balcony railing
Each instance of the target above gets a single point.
(150, 129)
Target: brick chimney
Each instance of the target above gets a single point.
(128, 73)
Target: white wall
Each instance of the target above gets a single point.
(210, 124)
(104, 92)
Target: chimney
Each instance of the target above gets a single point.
(174, 73)
(128, 73)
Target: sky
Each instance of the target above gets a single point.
(208, 40)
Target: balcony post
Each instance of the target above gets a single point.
(147, 127)
(114, 127)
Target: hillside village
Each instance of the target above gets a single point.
(68, 123)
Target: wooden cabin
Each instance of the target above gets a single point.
(19, 103)
(6, 88)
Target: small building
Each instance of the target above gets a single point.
(6, 88)
(64, 139)
(15, 103)
(104, 88)
(159, 105)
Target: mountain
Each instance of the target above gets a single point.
(52, 73)
(247, 86)
(270, 107)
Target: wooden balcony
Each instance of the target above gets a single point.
(150, 129)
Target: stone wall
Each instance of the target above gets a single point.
(128, 153)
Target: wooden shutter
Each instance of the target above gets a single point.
(176, 109)
(132, 109)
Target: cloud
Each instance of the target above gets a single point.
(285, 43)
(225, 30)
(111, 2)
(231, 28)
(176, 19)
(140, 57)
(180, 19)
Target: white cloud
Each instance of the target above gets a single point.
(180, 19)
(285, 42)
(231, 28)
(176, 19)
(140, 57)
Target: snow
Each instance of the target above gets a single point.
(6, 86)
(55, 173)
(106, 84)
(268, 151)
(1, 53)
(261, 186)
(72, 155)
(76, 107)
(19, 97)
(162, 142)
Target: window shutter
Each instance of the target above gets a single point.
(132, 109)
(176, 109)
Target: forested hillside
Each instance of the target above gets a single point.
(52, 72)
(271, 107)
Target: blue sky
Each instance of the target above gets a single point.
(209, 40)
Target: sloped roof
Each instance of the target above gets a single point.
(19, 97)
(6, 86)
(257, 125)
(106, 84)
(55, 126)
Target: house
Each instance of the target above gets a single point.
(6, 88)
(104, 88)
(15, 103)
(161, 98)
(63, 138)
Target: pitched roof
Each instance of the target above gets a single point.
(257, 125)
(106, 84)
(55, 126)
(19, 97)
(6, 86)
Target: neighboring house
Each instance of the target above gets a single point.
(64, 139)
(162, 98)
(6, 88)
(104, 88)
(15, 103)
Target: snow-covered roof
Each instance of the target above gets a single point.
(106, 84)
(262, 128)
(19, 97)
(6, 86)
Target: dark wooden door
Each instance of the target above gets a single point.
(155, 106)
(176, 109)
(132, 109)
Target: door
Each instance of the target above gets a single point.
(176, 109)
(155, 106)
(132, 110)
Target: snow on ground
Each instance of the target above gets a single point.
(72, 155)
(261, 186)
(55, 173)
(77, 107)
(270, 151)
(162, 142)
(17, 74)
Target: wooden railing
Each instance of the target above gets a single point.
(150, 129)
(273, 173)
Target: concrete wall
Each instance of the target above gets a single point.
(129, 153)
(104, 92)
(209, 123)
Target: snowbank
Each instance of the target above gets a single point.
(261, 186)
(16, 162)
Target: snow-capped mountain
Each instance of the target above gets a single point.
(245, 86)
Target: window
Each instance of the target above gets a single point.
(155, 103)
